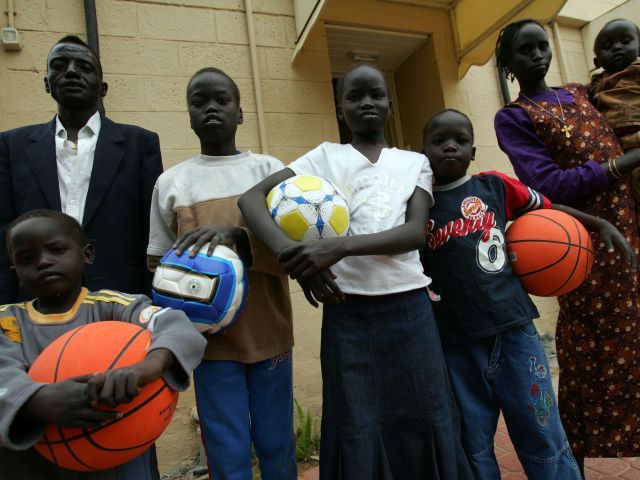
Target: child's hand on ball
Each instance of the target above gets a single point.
(214, 236)
(123, 384)
(66, 404)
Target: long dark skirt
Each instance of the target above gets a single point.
(388, 410)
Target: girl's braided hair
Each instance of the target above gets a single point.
(503, 44)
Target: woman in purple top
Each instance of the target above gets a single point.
(561, 146)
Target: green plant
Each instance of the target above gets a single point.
(307, 439)
(255, 465)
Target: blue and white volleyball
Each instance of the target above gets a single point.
(211, 290)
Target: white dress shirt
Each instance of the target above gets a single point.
(75, 162)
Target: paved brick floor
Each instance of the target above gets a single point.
(596, 468)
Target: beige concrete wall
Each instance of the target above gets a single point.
(574, 54)
(419, 93)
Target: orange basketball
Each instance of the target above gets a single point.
(550, 251)
(98, 347)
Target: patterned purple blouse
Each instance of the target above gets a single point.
(532, 162)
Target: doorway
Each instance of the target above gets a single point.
(386, 49)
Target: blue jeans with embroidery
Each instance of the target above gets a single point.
(509, 373)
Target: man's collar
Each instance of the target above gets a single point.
(93, 125)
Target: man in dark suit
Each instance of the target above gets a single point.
(100, 172)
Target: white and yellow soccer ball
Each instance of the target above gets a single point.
(306, 207)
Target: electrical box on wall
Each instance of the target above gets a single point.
(11, 39)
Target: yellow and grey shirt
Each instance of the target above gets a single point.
(25, 333)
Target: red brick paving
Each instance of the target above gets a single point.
(595, 468)
(510, 468)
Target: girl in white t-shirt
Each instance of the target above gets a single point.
(388, 411)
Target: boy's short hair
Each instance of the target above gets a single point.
(78, 41)
(236, 90)
(427, 125)
(67, 222)
(595, 41)
(340, 84)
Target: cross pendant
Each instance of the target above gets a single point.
(566, 129)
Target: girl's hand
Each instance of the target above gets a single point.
(66, 404)
(214, 236)
(321, 287)
(123, 384)
(614, 240)
(303, 260)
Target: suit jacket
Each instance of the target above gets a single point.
(126, 165)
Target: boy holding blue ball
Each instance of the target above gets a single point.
(244, 388)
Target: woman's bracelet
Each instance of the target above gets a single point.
(613, 168)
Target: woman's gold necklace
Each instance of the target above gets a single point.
(566, 129)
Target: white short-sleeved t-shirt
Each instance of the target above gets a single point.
(377, 195)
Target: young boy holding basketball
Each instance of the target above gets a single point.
(244, 387)
(49, 251)
(494, 355)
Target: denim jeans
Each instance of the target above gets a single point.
(240, 404)
(509, 373)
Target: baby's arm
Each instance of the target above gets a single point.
(176, 349)
(303, 260)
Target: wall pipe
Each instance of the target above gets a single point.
(91, 22)
(93, 40)
(262, 132)
(564, 69)
(11, 11)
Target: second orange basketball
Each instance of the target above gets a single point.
(550, 251)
